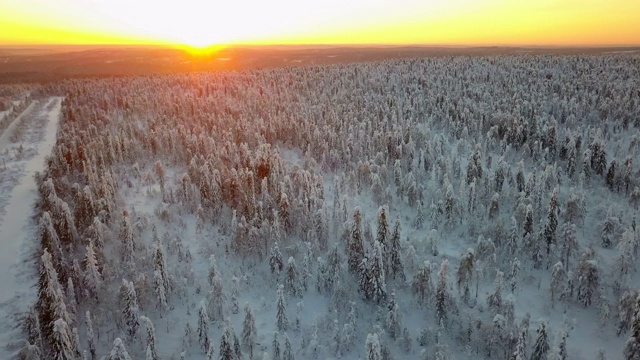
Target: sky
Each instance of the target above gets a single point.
(431, 22)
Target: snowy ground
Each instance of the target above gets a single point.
(24, 146)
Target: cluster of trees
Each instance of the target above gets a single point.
(346, 182)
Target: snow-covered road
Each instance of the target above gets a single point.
(17, 228)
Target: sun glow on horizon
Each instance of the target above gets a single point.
(198, 24)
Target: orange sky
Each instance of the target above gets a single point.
(197, 22)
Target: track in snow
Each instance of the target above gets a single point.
(17, 228)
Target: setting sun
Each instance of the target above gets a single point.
(200, 24)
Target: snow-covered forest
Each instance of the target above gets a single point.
(445, 208)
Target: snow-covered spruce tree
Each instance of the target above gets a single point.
(226, 344)
(588, 281)
(355, 248)
(32, 329)
(632, 347)
(50, 242)
(129, 301)
(29, 352)
(626, 307)
(160, 263)
(276, 262)
(372, 347)
(119, 351)
(465, 273)
(372, 283)
(203, 326)
(213, 269)
(421, 285)
(541, 346)
(161, 295)
(382, 228)
(511, 245)
(552, 221)
(521, 347)
(396, 269)
(151, 337)
(610, 178)
(528, 222)
(281, 312)
(288, 353)
(494, 301)
(494, 207)
(625, 260)
(607, 234)
(291, 280)
(216, 300)
(276, 353)
(50, 304)
(92, 276)
(235, 289)
(393, 320)
(127, 242)
(62, 346)
(558, 281)
(91, 340)
(569, 243)
(443, 298)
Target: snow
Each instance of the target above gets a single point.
(17, 231)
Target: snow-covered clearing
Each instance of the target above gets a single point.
(18, 238)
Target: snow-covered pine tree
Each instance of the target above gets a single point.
(119, 351)
(610, 178)
(355, 248)
(203, 326)
(511, 245)
(541, 347)
(281, 312)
